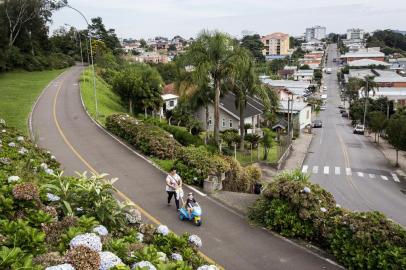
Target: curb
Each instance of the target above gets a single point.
(29, 120)
(307, 149)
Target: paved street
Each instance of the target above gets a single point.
(349, 165)
(62, 126)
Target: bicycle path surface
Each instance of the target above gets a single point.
(61, 125)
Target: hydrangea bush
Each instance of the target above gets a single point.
(52, 222)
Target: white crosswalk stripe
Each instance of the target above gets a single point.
(371, 175)
(384, 177)
(337, 170)
(360, 174)
(326, 169)
(304, 169)
(348, 171)
(315, 169)
(395, 177)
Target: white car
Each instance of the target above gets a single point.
(322, 107)
(359, 129)
(324, 88)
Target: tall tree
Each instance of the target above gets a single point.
(109, 37)
(396, 130)
(368, 85)
(245, 85)
(213, 55)
(377, 122)
(254, 44)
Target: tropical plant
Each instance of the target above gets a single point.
(377, 122)
(267, 141)
(396, 131)
(213, 56)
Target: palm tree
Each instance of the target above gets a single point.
(245, 85)
(213, 56)
(368, 84)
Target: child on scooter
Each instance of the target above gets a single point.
(190, 203)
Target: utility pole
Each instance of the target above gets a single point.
(366, 101)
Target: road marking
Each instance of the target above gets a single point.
(384, 177)
(337, 170)
(360, 174)
(326, 169)
(315, 169)
(395, 177)
(348, 171)
(371, 175)
(145, 213)
(304, 169)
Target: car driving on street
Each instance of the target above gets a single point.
(317, 124)
(359, 129)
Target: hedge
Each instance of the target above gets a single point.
(149, 139)
(294, 207)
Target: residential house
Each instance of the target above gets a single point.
(151, 57)
(229, 114)
(170, 99)
(287, 72)
(298, 88)
(302, 113)
(303, 75)
(312, 45)
(367, 53)
(276, 44)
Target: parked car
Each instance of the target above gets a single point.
(322, 107)
(359, 129)
(317, 124)
(324, 88)
(342, 110)
(344, 114)
(341, 107)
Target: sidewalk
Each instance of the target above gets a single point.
(299, 151)
(390, 153)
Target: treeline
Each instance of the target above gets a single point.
(390, 41)
(25, 42)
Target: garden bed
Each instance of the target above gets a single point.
(48, 221)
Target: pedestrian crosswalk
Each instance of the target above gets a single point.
(337, 170)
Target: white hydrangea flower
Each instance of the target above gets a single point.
(53, 157)
(338, 206)
(44, 166)
(306, 190)
(20, 138)
(23, 151)
(49, 171)
(2, 121)
(162, 256)
(195, 240)
(65, 266)
(52, 197)
(207, 267)
(140, 237)
(176, 257)
(13, 178)
(108, 260)
(79, 209)
(3, 130)
(142, 264)
(162, 229)
(323, 209)
(48, 152)
(12, 144)
(133, 216)
(101, 230)
(90, 240)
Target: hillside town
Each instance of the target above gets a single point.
(202, 135)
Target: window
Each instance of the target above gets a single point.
(223, 122)
(171, 103)
(231, 123)
(210, 123)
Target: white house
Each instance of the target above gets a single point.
(303, 75)
(301, 110)
(229, 115)
(170, 102)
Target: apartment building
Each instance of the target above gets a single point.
(315, 33)
(355, 34)
(276, 44)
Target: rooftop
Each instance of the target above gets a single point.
(297, 106)
(169, 97)
(379, 75)
(360, 54)
(228, 102)
(367, 62)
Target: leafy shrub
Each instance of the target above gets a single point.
(296, 208)
(149, 139)
(230, 136)
(196, 163)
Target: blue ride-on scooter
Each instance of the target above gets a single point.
(194, 216)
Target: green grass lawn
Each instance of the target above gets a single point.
(245, 157)
(18, 92)
(108, 102)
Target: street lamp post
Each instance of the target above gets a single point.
(91, 57)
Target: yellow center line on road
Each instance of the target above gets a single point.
(122, 195)
(349, 177)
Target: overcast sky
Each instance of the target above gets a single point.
(150, 18)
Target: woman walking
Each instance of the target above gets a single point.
(173, 183)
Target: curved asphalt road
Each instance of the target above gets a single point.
(61, 125)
